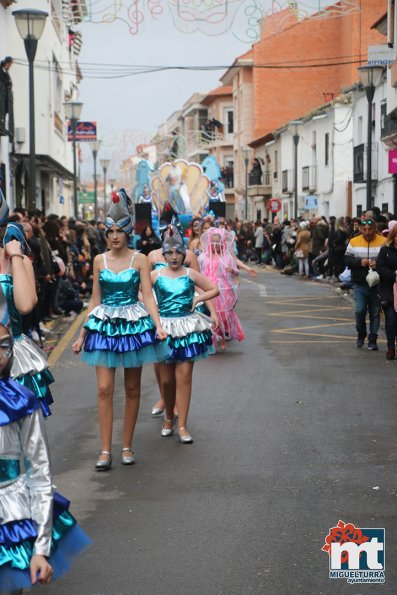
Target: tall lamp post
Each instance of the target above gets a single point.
(246, 153)
(370, 77)
(72, 113)
(30, 24)
(95, 146)
(105, 165)
(293, 126)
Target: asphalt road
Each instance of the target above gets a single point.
(294, 429)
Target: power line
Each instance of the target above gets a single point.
(109, 71)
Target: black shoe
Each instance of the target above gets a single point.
(360, 342)
(372, 346)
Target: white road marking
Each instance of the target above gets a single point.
(260, 286)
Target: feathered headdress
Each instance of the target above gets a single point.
(118, 213)
(173, 239)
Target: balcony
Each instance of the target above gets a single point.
(360, 163)
(259, 185)
(309, 178)
(388, 131)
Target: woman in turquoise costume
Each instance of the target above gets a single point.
(189, 332)
(39, 538)
(118, 331)
(30, 366)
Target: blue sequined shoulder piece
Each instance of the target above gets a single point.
(16, 401)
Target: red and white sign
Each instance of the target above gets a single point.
(274, 205)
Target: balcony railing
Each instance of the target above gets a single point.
(259, 179)
(360, 163)
(309, 178)
(287, 186)
(388, 131)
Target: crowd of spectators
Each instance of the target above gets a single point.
(62, 251)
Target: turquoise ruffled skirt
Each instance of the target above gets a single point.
(189, 337)
(17, 542)
(122, 337)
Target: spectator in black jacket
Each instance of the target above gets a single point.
(386, 265)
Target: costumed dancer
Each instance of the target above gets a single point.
(118, 331)
(39, 538)
(218, 264)
(189, 332)
(157, 261)
(30, 366)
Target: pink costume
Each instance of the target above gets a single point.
(217, 264)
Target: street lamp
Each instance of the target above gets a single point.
(293, 126)
(72, 113)
(104, 164)
(370, 77)
(95, 146)
(30, 24)
(246, 152)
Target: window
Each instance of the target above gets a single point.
(284, 182)
(385, 207)
(359, 210)
(229, 121)
(326, 149)
(305, 178)
(58, 94)
(275, 172)
(360, 130)
(358, 164)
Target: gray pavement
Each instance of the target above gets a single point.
(293, 429)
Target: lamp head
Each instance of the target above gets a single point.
(30, 23)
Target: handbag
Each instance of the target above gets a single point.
(299, 254)
(372, 278)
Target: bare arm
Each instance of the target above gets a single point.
(191, 261)
(94, 301)
(142, 264)
(23, 278)
(209, 289)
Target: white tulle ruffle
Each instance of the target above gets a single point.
(28, 358)
(196, 322)
(130, 313)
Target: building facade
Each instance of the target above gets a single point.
(56, 78)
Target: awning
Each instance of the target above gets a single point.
(47, 164)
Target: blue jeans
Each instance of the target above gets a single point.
(366, 299)
(390, 325)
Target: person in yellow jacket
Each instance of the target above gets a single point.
(360, 257)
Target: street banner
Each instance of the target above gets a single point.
(393, 162)
(85, 131)
(310, 202)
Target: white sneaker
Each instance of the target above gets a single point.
(35, 337)
(319, 277)
(72, 314)
(44, 329)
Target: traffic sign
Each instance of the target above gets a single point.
(274, 205)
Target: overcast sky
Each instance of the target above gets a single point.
(129, 110)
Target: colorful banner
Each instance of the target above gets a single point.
(393, 162)
(85, 131)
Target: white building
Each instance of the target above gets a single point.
(57, 76)
(324, 164)
(382, 180)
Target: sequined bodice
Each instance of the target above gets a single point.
(119, 289)
(174, 295)
(15, 317)
(158, 265)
